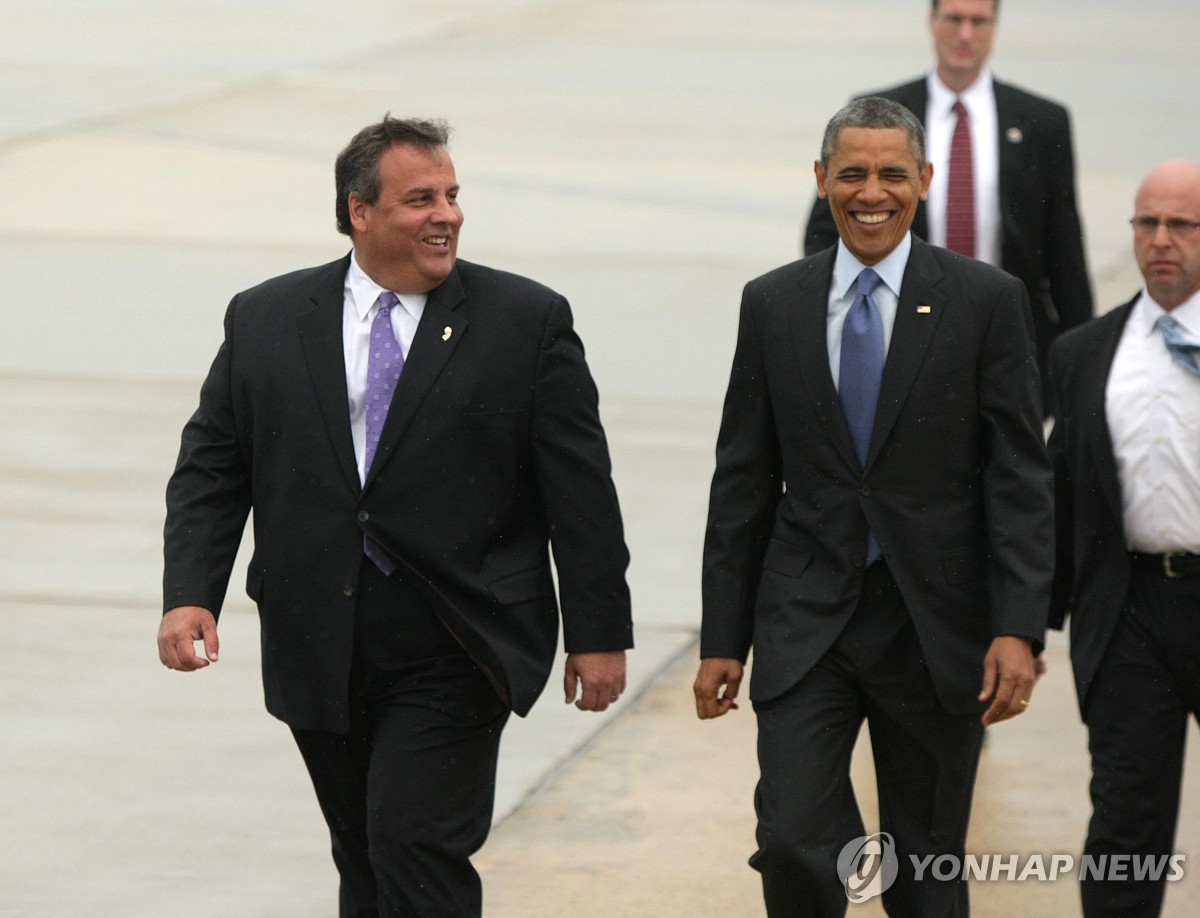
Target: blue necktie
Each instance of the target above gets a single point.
(1184, 352)
(861, 371)
(385, 360)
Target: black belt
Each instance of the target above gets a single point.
(1177, 565)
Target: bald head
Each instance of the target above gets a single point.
(1166, 237)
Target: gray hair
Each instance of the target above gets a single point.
(356, 170)
(878, 114)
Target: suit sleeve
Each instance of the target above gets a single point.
(208, 495)
(574, 476)
(1017, 488)
(1066, 264)
(746, 490)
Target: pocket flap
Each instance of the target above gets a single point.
(965, 565)
(786, 558)
(522, 586)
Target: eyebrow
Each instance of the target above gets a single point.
(425, 189)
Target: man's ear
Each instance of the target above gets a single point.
(819, 171)
(358, 208)
(926, 178)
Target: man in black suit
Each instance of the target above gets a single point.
(889, 564)
(401, 565)
(1023, 215)
(1126, 450)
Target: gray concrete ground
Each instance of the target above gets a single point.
(645, 158)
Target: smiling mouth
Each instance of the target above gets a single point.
(437, 240)
(872, 219)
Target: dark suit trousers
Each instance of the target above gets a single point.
(1146, 686)
(408, 792)
(925, 762)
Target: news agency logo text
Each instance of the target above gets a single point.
(868, 866)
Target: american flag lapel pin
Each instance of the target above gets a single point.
(924, 310)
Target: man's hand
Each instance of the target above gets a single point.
(598, 679)
(181, 627)
(715, 673)
(1009, 673)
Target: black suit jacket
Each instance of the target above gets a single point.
(1041, 236)
(1092, 574)
(492, 448)
(956, 489)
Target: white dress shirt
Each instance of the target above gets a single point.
(1153, 410)
(980, 101)
(360, 306)
(843, 289)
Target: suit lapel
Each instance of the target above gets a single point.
(1012, 128)
(915, 97)
(810, 340)
(320, 328)
(917, 316)
(438, 334)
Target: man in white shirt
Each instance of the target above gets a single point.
(1020, 184)
(1126, 446)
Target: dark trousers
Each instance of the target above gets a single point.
(925, 763)
(408, 792)
(1137, 708)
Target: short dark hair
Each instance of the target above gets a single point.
(995, 5)
(878, 114)
(356, 170)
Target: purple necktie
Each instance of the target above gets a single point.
(861, 372)
(384, 363)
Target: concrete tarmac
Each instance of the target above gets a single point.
(646, 159)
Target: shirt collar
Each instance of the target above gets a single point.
(364, 292)
(890, 269)
(942, 97)
(1146, 313)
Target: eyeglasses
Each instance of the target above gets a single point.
(957, 21)
(1177, 227)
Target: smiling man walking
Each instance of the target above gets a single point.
(880, 527)
(413, 433)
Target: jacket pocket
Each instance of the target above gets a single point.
(786, 558)
(500, 418)
(522, 586)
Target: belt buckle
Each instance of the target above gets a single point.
(1167, 567)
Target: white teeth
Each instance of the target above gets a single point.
(437, 240)
(871, 218)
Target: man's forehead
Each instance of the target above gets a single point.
(859, 143)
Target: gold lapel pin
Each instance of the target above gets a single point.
(447, 332)
(1014, 135)
(924, 310)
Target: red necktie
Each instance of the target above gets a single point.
(960, 198)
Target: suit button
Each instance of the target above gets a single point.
(865, 490)
(363, 516)
(348, 590)
(858, 560)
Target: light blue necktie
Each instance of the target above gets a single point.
(860, 373)
(1183, 351)
(385, 360)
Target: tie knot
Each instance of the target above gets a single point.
(960, 109)
(387, 300)
(868, 280)
(1168, 323)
